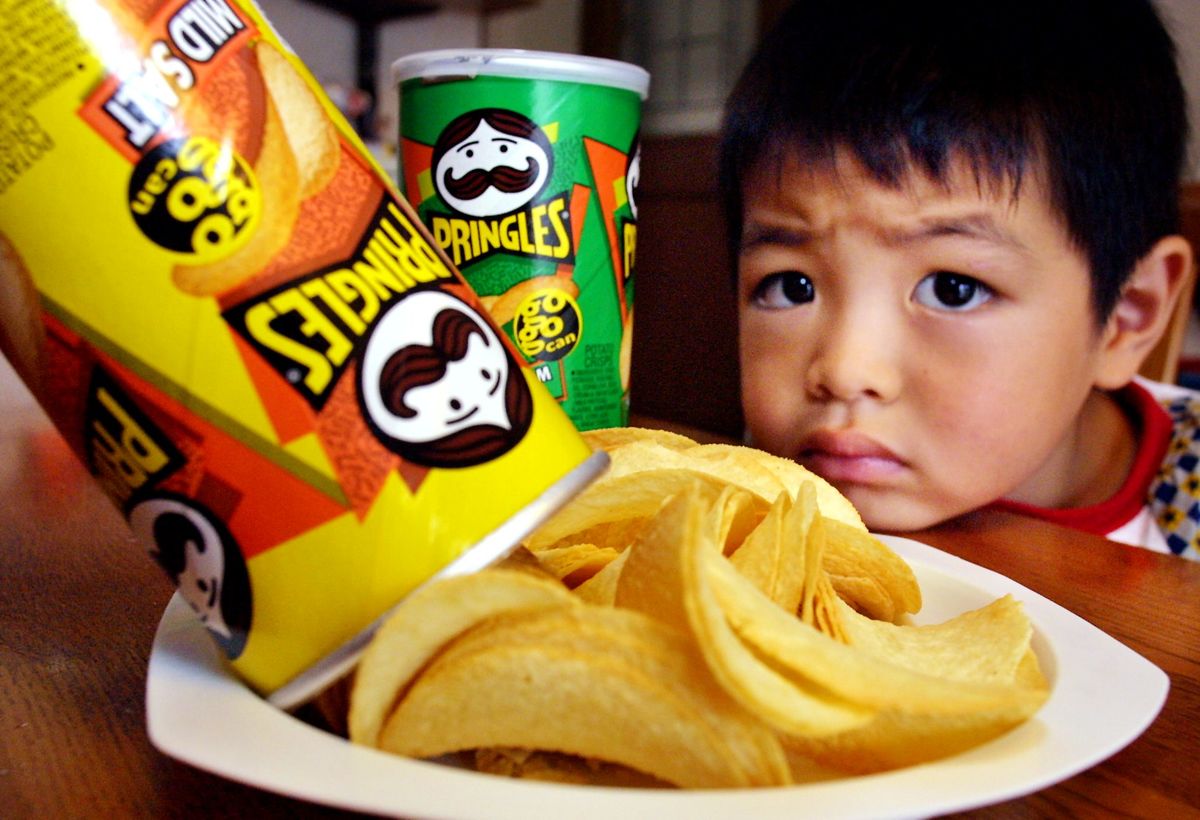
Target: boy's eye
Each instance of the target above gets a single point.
(952, 291)
(784, 290)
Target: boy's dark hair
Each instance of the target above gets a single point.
(1088, 90)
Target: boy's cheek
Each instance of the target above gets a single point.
(774, 399)
(769, 410)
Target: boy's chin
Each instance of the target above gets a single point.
(886, 512)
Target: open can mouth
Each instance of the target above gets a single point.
(495, 546)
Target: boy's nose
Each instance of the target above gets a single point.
(857, 359)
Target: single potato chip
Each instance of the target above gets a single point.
(428, 619)
(773, 556)
(601, 588)
(866, 595)
(666, 577)
(616, 498)
(609, 438)
(617, 535)
(854, 553)
(576, 563)
(791, 475)
(596, 682)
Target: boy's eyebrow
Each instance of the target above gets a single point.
(754, 234)
(975, 226)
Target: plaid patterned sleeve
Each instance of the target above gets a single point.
(1174, 494)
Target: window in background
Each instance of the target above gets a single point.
(694, 50)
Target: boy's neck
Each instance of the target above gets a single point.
(1105, 449)
(1094, 461)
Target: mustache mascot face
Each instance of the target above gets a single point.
(439, 387)
(491, 162)
(633, 176)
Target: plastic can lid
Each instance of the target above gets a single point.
(448, 64)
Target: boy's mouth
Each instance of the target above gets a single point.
(848, 456)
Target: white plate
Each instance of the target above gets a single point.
(1104, 695)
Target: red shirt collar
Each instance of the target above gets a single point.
(1153, 427)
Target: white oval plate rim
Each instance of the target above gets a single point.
(199, 713)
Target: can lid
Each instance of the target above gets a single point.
(447, 64)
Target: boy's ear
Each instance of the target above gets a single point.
(1144, 310)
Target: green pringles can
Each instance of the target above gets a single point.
(524, 166)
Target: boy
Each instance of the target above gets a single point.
(955, 227)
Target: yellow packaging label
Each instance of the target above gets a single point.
(245, 332)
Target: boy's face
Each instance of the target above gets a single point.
(926, 349)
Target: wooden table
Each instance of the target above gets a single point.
(79, 602)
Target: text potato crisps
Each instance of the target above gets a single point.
(246, 334)
(707, 644)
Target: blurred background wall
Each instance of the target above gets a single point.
(326, 38)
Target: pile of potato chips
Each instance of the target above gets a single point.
(702, 616)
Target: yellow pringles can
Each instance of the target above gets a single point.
(249, 337)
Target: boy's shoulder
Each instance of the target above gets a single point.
(1168, 394)
(1174, 493)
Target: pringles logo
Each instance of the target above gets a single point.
(126, 451)
(309, 329)
(489, 166)
(540, 232)
(435, 383)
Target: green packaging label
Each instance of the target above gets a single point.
(529, 186)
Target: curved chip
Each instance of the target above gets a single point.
(666, 576)
(601, 683)
(601, 588)
(609, 438)
(619, 498)
(428, 619)
(869, 574)
(576, 563)
(786, 472)
(774, 556)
